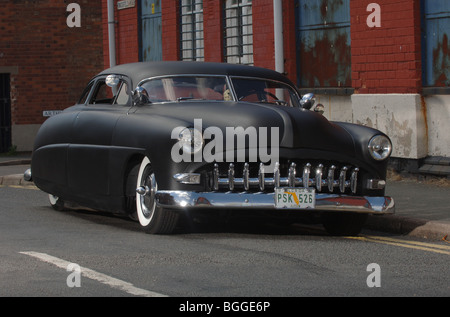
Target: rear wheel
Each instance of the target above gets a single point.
(153, 219)
(343, 224)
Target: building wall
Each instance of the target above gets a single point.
(387, 74)
(126, 31)
(386, 88)
(49, 62)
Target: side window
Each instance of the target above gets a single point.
(122, 96)
(105, 94)
(85, 94)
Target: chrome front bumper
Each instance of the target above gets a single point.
(265, 201)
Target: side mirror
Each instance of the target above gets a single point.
(112, 80)
(140, 97)
(308, 101)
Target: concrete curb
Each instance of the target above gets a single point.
(410, 226)
(14, 180)
(16, 162)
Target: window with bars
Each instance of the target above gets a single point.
(192, 39)
(238, 29)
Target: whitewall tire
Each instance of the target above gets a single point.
(152, 218)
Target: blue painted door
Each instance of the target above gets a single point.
(151, 30)
(323, 43)
(436, 43)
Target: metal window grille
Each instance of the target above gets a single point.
(238, 29)
(192, 38)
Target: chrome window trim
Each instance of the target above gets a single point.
(228, 80)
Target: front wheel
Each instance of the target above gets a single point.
(153, 219)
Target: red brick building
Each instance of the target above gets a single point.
(44, 63)
(384, 64)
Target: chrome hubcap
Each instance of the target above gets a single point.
(147, 193)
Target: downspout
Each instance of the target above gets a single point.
(278, 35)
(111, 34)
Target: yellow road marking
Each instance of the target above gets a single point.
(20, 187)
(436, 248)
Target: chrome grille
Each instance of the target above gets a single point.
(331, 178)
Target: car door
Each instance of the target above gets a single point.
(89, 152)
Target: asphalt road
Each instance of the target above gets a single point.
(110, 256)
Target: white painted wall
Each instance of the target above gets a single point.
(438, 122)
(418, 126)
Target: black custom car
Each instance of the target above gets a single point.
(158, 140)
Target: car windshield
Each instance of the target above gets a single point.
(217, 88)
(185, 88)
(264, 90)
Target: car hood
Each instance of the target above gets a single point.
(298, 128)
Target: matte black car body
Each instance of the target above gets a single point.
(92, 153)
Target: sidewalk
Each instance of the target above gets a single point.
(422, 207)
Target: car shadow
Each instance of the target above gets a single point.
(193, 224)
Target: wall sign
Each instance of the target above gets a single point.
(125, 4)
(50, 113)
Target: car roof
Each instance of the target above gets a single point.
(142, 70)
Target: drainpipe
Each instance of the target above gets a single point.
(111, 34)
(278, 35)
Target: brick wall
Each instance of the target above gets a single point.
(213, 32)
(126, 31)
(263, 35)
(53, 62)
(170, 29)
(289, 40)
(386, 59)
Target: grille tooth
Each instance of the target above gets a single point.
(330, 178)
(276, 175)
(319, 173)
(342, 176)
(231, 177)
(238, 178)
(291, 175)
(261, 179)
(245, 177)
(306, 173)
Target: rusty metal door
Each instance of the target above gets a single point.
(5, 113)
(436, 43)
(323, 43)
(151, 30)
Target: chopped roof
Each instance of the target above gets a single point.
(143, 70)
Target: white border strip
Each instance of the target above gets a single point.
(96, 276)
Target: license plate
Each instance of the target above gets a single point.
(296, 198)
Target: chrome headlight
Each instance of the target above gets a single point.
(380, 147)
(191, 140)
